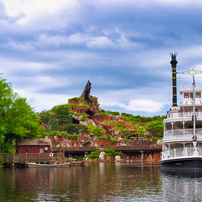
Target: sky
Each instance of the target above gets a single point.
(49, 50)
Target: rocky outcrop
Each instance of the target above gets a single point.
(103, 118)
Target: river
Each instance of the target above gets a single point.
(98, 182)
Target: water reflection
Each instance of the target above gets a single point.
(99, 182)
(182, 186)
(92, 182)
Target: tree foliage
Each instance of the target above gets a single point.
(17, 118)
(94, 155)
(96, 130)
(156, 129)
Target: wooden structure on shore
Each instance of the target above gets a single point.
(22, 159)
(128, 148)
(19, 159)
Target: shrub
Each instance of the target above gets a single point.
(109, 152)
(8, 148)
(103, 138)
(113, 140)
(119, 153)
(45, 134)
(63, 133)
(96, 130)
(125, 139)
(113, 113)
(94, 155)
(84, 119)
(103, 114)
(74, 137)
(55, 133)
(75, 99)
(1, 161)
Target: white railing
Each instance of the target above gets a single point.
(179, 133)
(174, 114)
(181, 152)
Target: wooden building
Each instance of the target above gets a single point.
(42, 146)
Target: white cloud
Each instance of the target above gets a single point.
(138, 105)
(149, 106)
(37, 8)
(40, 102)
(116, 104)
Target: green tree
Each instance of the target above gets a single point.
(156, 129)
(126, 133)
(96, 130)
(45, 117)
(63, 116)
(75, 128)
(17, 118)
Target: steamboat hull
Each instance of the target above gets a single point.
(183, 164)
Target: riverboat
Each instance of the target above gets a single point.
(182, 140)
(34, 165)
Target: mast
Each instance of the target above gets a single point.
(173, 63)
(194, 113)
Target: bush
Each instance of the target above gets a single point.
(96, 130)
(8, 148)
(103, 114)
(1, 161)
(84, 119)
(63, 133)
(103, 138)
(113, 113)
(119, 153)
(94, 155)
(109, 152)
(113, 140)
(74, 137)
(45, 134)
(75, 99)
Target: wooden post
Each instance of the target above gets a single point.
(13, 160)
(142, 155)
(38, 157)
(63, 156)
(26, 157)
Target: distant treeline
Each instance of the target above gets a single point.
(137, 117)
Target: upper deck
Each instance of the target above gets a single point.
(186, 105)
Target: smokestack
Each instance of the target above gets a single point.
(173, 63)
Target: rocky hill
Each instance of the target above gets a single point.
(81, 122)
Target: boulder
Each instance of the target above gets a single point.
(159, 142)
(117, 159)
(102, 156)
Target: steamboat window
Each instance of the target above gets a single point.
(191, 95)
(186, 95)
(198, 95)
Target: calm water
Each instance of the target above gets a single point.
(98, 182)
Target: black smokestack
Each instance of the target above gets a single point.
(173, 63)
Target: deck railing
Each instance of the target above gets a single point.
(178, 133)
(23, 158)
(181, 152)
(174, 114)
(138, 147)
(82, 149)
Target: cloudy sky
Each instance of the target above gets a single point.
(49, 50)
